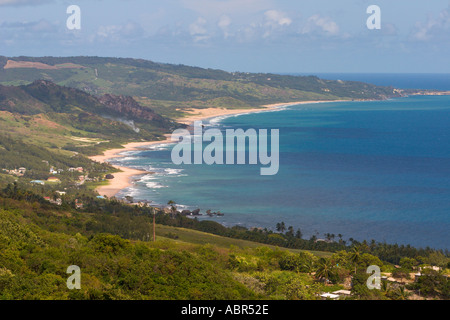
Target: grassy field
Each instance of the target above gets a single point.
(198, 237)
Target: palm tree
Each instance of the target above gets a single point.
(324, 269)
(355, 256)
(278, 227)
(385, 288)
(173, 208)
(402, 294)
(290, 232)
(308, 266)
(281, 227)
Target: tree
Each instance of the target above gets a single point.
(298, 234)
(408, 263)
(385, 288)
(281, 227)
(401, 274)
(325, 269)
(308, 266)
(290, 232)
(402, 294)
(355, 257)
(432, 283)
(173, 208)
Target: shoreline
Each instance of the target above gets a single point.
(208, 113)
(123, 179)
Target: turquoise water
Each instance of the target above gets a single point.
(368, 170)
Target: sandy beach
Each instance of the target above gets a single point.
(121, 181)
(124, 178)
(201, 114)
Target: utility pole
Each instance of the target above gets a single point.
(154, 225)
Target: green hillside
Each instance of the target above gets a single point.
(118, 260)
(67, 119)
(170, 89)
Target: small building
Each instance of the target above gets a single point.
(329, 296)
(323, 240)
(434, 268)
(53, 179)
(343, 293)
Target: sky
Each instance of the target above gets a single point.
(283, 36)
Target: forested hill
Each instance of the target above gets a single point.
(59, 118)
(75, 107)
(170, 89)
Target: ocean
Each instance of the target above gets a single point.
(367, 170)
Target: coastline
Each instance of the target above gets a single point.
(123, 179)
(208, 113)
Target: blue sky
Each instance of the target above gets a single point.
(238, 35)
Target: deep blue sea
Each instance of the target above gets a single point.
(367, 170)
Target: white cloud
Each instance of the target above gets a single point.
(434, 27)
(224, 22)
(198, 30)
(198, 27)
(123, 33)
(277, 17)
(317, 23)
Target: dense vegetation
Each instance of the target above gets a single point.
(110, 242)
